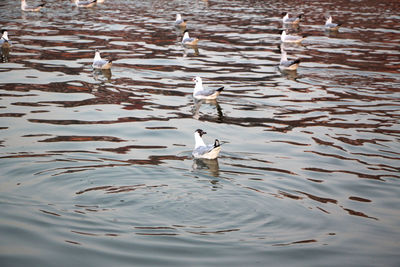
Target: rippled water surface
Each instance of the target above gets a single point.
(96, 167)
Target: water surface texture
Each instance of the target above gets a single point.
(96, 167)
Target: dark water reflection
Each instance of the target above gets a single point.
(96, 166)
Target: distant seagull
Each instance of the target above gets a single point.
(331, 26)
(285, 38)
(99, 63)
(4, 41)
(179, 22)
(88, 3)
(186, 40)
(201, 150)
(287, 20)
(26, 7)
(200, 93)
(286, 64)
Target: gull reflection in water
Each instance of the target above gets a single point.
(5, 53)
(187, 48)
(289, 74)
(213, 102)
(207, 164)
(102, 75)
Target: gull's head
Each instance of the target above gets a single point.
(4, 34)
(185, 34)
(197, 80)
(178, 17)
(329, 20)
(199, 132)
(97, 54)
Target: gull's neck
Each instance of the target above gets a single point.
(186, 35)
(199, 86)
(23, 4)
(283, 35)
(198, 140)
(283, 55)
(178, 17)
(97, 56)
(329, 20)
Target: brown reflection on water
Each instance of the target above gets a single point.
(119, 189)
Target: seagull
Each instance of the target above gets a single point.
(200, 93)
(99, 63)
(186, 40)
(285, 38)
(201, 150)
(4, 41)
(88, 3)
(286, 64)
(331, 26)
(26, 7)
(287, 20)
(179, 22)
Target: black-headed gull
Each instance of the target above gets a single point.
(329, 25)
(201, 150)
(99, 63)
(26, 7)
(88, 3)
(186, 40)
(287, 20)
(200, 93)
(4, 41)
(286, 64)
(285, 38)
(179, 22)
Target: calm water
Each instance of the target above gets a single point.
(96, 167)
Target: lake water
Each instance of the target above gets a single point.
(96, 167)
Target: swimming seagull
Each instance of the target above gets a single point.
(287, 20)
(88, 3)
(286, 64)
(4, 41)
(200, 93)
(285, 38)
(99, 63)
(332, 26)
(186, 40)
(201, 150)
(179, 22)
(26, 7)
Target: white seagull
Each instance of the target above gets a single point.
(332, 26)
(186, 40)
(286, 64)
(99, 63)
(179, 21)
(88, 3)
(200, 93)
(285, 38)
(4, 41)
(287, 20)
(201, 150)
(26, 7)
